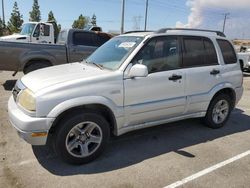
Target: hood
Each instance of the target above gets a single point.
(14, 37)
(50, 76)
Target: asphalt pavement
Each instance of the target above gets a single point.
(184, 153)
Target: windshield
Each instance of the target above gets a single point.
(112, 54)
(27, 29)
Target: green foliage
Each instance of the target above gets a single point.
(93, 20)
(81, 22)
(35, 14)
(16, 21)
(51, 17)
(59, 27)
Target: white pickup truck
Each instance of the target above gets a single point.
(35, 32)
(244, 58)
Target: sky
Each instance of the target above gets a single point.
(205, 14)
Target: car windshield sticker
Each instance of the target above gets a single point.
(126, 44)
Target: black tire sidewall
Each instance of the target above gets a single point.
(67, 125)
(208, 118)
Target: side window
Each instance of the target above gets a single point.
(193, 52)
(228, 52)
(85, 39)
(46, 30)
(160, 54)
(37, 31)
(211, 55)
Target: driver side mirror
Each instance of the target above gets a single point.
(138, 70)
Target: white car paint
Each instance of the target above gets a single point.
(135, 102)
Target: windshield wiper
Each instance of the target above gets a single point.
(98, 65)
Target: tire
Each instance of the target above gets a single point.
(214, 117)
(81, 138)
(35, 66)
(242, 66)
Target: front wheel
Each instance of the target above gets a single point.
(218, 111)
(82, 138)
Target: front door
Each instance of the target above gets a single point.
(161, 94)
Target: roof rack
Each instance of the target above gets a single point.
(137, 31)
(164, 30)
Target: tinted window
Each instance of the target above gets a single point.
(85, 39)
(193, 52)
(103, 38)
(211, 55)
(160, 54)
(228, 52)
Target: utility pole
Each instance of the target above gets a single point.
(146, 16)
(122, 20)
(225, 19)
(3, 14)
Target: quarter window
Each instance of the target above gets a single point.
(228, 52)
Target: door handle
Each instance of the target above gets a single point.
(175, 77)
(214, 72)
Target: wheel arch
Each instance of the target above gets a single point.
(98, 108)
(227, 91)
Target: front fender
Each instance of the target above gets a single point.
(86, 100)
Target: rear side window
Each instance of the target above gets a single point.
(193, 52)
(198, 51)
(211, 55)
(85, 39)
(228, 52)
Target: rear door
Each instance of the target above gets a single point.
(84, 44)
(203, 72)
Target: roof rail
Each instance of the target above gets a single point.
(164, 30)
(137, 31)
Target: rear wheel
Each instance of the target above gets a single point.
(82, 138)
(35, 66)
(218, 111)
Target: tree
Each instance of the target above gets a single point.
(1, 27)
(57, 28)
(93, 20)
(51, 17)
(16, 21)
(35, 14)
(80, 23)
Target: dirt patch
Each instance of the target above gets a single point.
(10, 178)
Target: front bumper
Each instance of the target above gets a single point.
(32, 129)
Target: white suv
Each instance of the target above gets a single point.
(133, 81)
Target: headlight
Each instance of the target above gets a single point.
(27, 100)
